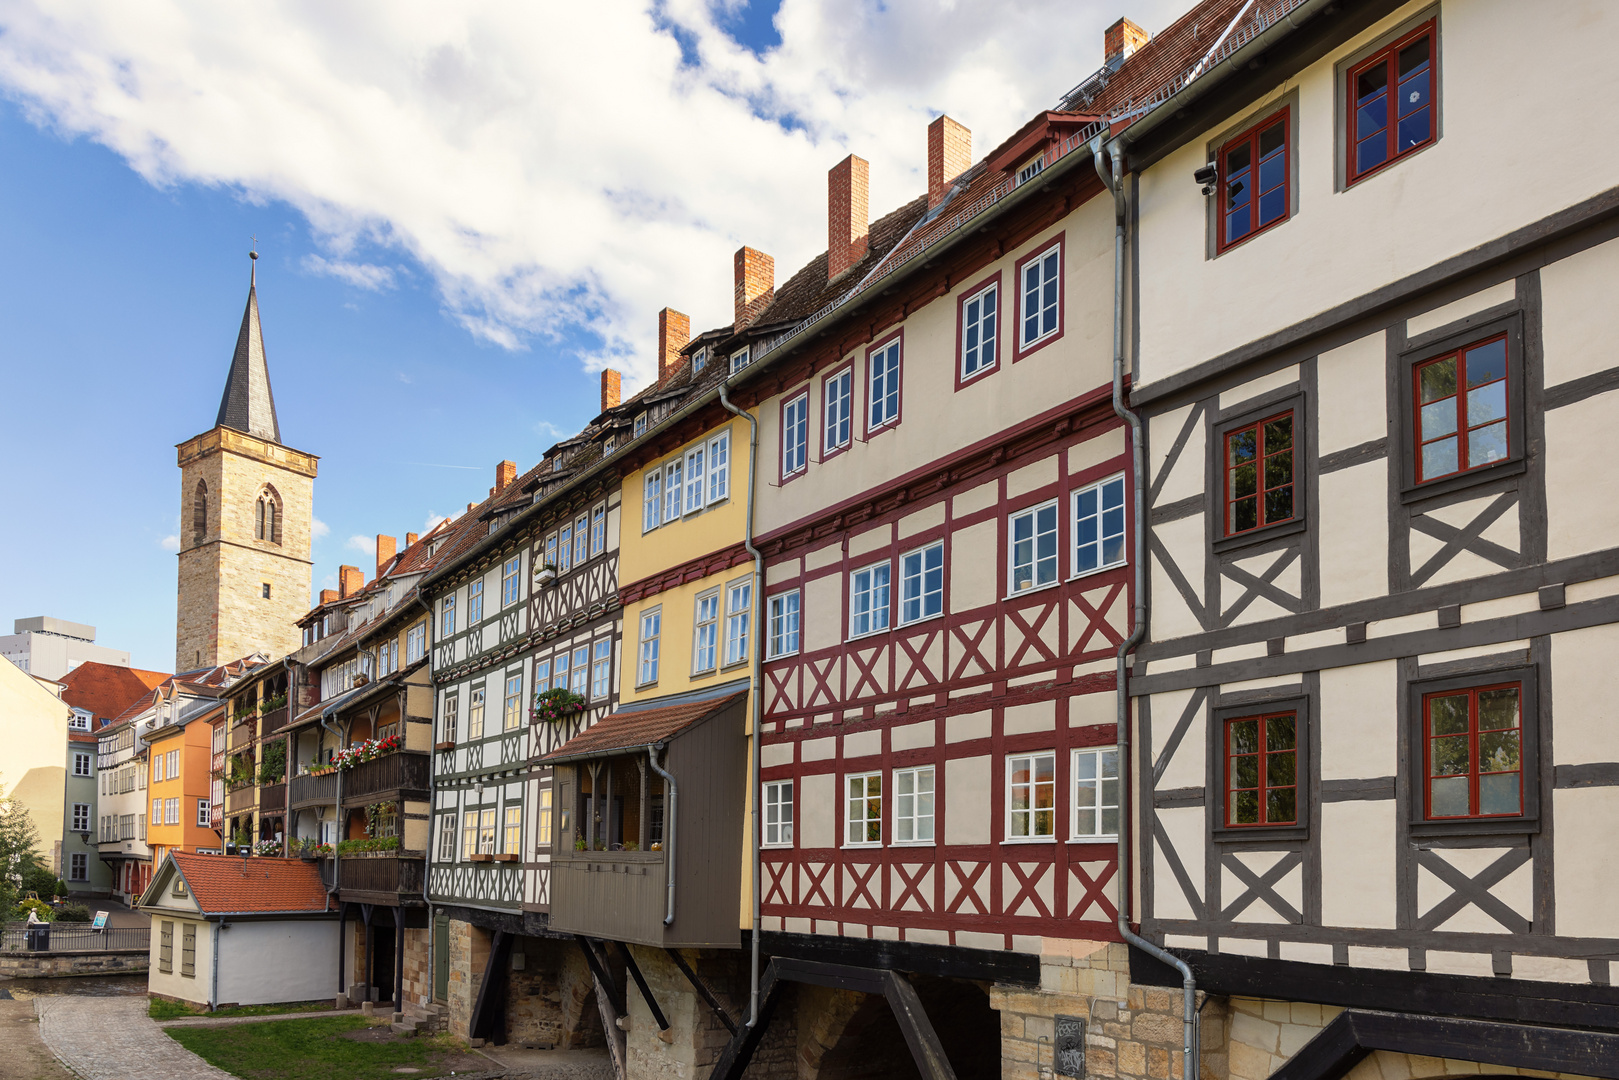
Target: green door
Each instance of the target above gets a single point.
(441, 957)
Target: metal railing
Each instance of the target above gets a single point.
(74, 938)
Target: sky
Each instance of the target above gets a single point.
(464, 213)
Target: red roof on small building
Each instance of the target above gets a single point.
(106, 690)
(229, 885)
(637, 728)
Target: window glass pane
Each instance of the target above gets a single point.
(1371, 152)
(1448, 798)
(1447, 715)
(1439, 458)
(1415, 128)
(1499, 794)
(1487, 444)
(1486, 363)
(1281, 806)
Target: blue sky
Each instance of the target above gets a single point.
(462, 218)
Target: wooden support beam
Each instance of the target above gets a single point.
(738, 1052)
(704, 991)
(488, 1009)
(640, 982)
(917, 1028)
(617, 1042)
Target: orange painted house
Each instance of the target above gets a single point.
(179, 758)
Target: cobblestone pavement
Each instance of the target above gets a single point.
(23, 1054)
(111, 1038)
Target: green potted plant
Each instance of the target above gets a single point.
(556, 705)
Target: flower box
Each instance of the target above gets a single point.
(481, 858)
(507, 856)
(556, 705)
(545, 575)
(447, 745)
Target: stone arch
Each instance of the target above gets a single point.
(199, 513)
(267, 515)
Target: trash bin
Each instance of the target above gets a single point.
(45, 938)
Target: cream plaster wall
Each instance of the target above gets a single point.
(1576, 436)
(1353, 534)
(1423, 210)
(1579, 320)
(33, 727)
(1348, 415)
(1359, 733)
(194, 987)
(277, 960)
(936, 419)
(1358, 863)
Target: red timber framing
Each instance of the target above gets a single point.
(975, 673)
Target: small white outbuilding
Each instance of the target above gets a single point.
(233, 931)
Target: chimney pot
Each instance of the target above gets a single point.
(674, 331)
(848, 185)
(755, 286)
(611, 382)
(387, 547)
(505, 473)
(950, 153)
(350, 580)
(1121, 40)
(410, 540)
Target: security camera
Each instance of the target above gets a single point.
(1207, 176)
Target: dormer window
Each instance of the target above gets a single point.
(1032, 169)
(607, 447)
(739, 359)
(699, 360)
(640, 425)
(80, 721)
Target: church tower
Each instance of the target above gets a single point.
(246, 504)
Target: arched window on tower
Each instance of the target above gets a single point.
(199, 513)
(267, 520)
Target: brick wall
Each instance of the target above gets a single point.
(950, 153)
(755, 285)
(469, 954)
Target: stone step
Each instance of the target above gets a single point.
(409, 1028)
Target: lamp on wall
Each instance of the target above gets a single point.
(1207, 175)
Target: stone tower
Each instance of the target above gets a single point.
(246, 503)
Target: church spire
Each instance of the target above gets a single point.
(248, 405)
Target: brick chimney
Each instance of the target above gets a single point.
(950, 153)
(848, 218)
(350, 580)
(674, 331)
(387, 547)
(328, 595)
(505, 473)
(410, 540)
(611, 381)
(755, 286)
(1120, 40)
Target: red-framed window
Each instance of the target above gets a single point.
(1259, 464)
(1461, 410)
(1473, 752)
(1261, 763)
(1255, 180)
(1392, 100)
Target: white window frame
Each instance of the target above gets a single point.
(80, 721)
(542, 676)
(640, 425)
(172, 764)
(511, 708)
(987, 326)
(1090, 794)
(877, 616)
(598, 530)
(511, 832)
(646, 669)
(452, 718)
(81, 810)
(601, 670)
(564, 561)
(446, 838)
(488, 830)
(883, 363)
(474, 603)
(795, 435)
(447, 618)
(741, 358)
(864, 796)
(415, 643)
(837, 413)
(778, 807)
(705, 641)
(204, 810)
(82, 765)
(1101, 490)
(651, 499)
(719, 467)
(673, 488)
(510, 581)
(738, 621)
(922, 596)
(1034, 786)
(171, 811)
(1038, 263)
(542, 820)
(78, 866)
(699, 360)
(1032, 513)
(695, 477)
(469, 833)
(915, 775)
(579, 677)
(784, 608)
(581, 539)
(477, 698)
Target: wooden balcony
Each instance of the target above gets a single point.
(273, 721)
(402, 774)
(308, 790)
(272, 798)
(380, 877)
(241, 800)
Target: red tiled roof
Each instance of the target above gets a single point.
(226, 884)
(106, 690)
(637, 728)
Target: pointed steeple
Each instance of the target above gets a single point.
(248, 404)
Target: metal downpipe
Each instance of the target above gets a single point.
(668, 835)
(1115, 184)
(756, 697)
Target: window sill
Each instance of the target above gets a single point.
(1030, 591)
(1027, 840)
(1236, 834)
(919, 622)
(914, 843)
(1093, 840)
(1259, 536)
(867, 634)
(1077, 575)
(776, 847)
(863, 847)
(781, 655)
(1459, 827)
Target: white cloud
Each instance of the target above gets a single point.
(552, 167)
(366, 545)
(318, 528)
(433, 521)
(360, 275)
(547, 430)
(169, 543)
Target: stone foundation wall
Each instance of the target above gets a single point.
(45, 965)
(469, 955)
(418, 966)
(551, 1000)
(696, 1037)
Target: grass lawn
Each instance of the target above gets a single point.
(315, 1049)
(163, 1009)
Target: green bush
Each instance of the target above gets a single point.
(38, 907)
(73, 913)
(38, 879)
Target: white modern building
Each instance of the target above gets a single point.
(50, 648)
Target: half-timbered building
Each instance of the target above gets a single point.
(1372, 707)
